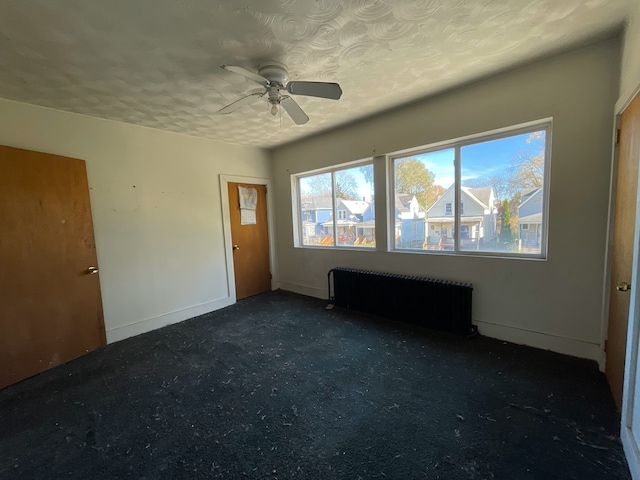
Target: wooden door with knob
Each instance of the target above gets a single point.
(250, 237)
(622, 249)
(50, 301)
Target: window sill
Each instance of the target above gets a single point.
(339, 247)
(499, 255)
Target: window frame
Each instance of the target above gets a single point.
(297, 205)
(457, 144)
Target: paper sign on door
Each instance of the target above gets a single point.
(248, 201)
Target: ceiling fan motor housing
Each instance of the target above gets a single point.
(275, 72)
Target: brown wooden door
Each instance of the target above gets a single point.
(250, 243)
(622, 252)
(50, 305)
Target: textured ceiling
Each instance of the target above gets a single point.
(156, 62)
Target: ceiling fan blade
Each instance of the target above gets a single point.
(246, 73)
(315, 89)
(232, 107)
(294, 110)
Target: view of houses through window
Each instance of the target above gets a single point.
(498, 188)
(417, 188)
(353, 225)
(500, 196)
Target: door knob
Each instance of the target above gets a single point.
(92, 270)
(236, 247)
(623, 286)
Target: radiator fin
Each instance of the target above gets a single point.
(427, 302)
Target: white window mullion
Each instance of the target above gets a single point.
(300, 219)
(545, 199)
(333, 209)
(456, 202)
(383, 180)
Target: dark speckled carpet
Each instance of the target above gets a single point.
(277, 387)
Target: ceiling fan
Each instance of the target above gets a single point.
(273, 76)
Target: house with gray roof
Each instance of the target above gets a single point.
(410, 224)
(530, 218)
(477, 218)
(314, 211)
(350, 213)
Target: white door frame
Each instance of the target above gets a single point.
(226, 226)
(630, 442)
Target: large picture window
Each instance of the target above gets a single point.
(498, 181)
(336, 208)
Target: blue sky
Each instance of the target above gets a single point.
(479, 160)
(364, 189)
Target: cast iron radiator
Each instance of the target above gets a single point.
(438, 304)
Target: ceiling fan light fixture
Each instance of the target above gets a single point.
(274, 109)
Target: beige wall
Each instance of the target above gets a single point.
(554, 304)
(630, 76)
(156, 207)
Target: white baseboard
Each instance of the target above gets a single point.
(142, 326)
(544, 341)
(305, 290)
(567, 346)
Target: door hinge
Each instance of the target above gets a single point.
(271, 276)
(605, 345)
(618, 136)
